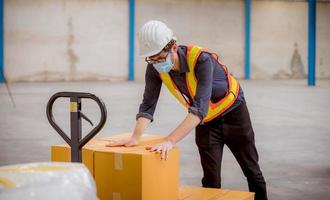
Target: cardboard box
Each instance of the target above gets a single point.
(135, 173)
(123, 173)
(200, 193)
(62, 152)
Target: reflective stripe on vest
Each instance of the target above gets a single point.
(215, 109)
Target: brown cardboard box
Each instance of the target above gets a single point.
(123, 173)
(62, 152)
(135, 173)
(199, 193)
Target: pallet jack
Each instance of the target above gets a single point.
(76, 142)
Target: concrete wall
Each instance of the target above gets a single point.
(323, 40)
(278, 29)
(216, 25)
(66, 40)
(279, 40)
(88, 40)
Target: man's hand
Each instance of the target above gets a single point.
(127, 142)
(163, 148)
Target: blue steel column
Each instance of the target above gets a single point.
(2, 78)
(247, 38)
(131, 40)
(311, 41)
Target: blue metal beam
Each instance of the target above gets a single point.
(131, 40)
(2, 78)
(311, 41)
(247, 38)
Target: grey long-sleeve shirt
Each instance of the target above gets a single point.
(212, 84)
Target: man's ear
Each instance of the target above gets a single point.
(174, 48)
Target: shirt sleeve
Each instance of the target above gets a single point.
(152, 88)
(204, 74)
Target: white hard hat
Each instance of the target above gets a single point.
(153, 37)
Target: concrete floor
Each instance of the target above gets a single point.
(291, 123)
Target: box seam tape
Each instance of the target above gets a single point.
(118, 162)
(116, 196)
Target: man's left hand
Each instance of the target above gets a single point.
(163, 148)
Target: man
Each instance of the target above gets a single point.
(213, 97)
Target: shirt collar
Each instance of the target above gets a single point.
(183, 59)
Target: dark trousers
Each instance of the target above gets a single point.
(235, 130)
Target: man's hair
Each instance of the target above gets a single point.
(169, 45)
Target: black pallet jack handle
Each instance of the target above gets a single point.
(76, 142)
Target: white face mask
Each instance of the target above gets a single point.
(166, 66)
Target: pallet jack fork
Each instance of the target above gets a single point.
(76, 141)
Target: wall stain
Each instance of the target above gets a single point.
(73, 59)
(296, 67)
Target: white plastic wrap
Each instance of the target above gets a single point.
(48, 180)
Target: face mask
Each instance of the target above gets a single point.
(166, 66)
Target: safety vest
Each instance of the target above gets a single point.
(215, 109)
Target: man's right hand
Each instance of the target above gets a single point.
(133, 140)
(127, 142)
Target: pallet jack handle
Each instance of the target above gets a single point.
(76, 141)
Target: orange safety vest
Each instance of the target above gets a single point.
(215, 109)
